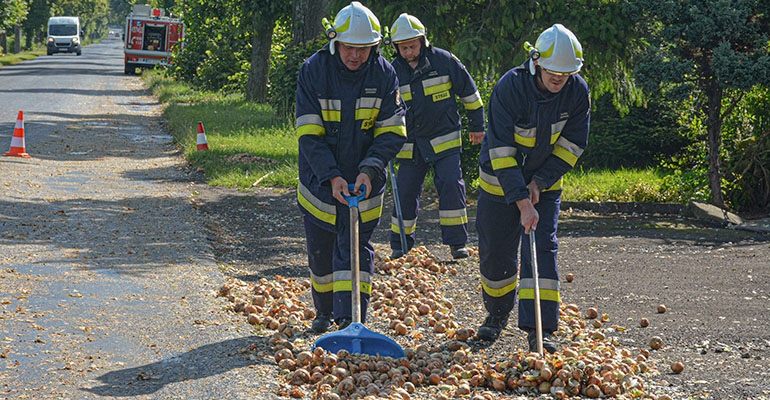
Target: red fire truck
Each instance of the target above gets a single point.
(151, 37)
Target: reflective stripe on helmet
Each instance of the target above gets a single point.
(355, 25)
(559, 51)
(407, 27)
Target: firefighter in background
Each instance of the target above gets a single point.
(350, 122)
(430, 78)
(539, 116)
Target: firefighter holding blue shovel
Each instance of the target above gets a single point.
(350, 123)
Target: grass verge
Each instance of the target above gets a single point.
(250, 146)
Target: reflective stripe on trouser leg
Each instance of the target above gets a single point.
(329, 261)
(499, 229)
(410, 179)
(341, 263)
(547, 249)
(320, 246)
(448, 178)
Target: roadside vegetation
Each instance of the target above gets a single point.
(251, 145)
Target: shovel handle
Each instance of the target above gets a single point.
(355, 262)
(536, 278)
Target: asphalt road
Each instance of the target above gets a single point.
(107, 283)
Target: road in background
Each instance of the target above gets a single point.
(107, 282)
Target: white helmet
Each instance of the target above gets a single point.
(559, 51)
(355, 25)
(407, 27)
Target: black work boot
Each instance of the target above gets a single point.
(549, 343)
(321, 323)
(459, 251)
(397, 253)
(343, 323)
(492, 327)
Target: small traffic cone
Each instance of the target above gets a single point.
(17, 142)
(203, 144)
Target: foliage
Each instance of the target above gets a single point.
(747, 154)
(708, 52)
(283, 78)
(639, 140)
(12, 13)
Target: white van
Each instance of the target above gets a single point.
(64, 35)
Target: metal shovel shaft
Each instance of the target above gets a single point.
(536, 278)
(355, 265)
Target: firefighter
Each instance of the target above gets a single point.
(539, 116)
(430, 78)
(350, 123)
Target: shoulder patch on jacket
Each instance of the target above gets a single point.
(370, 90)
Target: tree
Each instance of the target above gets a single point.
(307, 15)
(12, 13)
(264, 16)
(710, 51)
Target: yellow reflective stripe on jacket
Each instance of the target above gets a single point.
(503, 157)
(524, 136)
(322, 284)
(453, 217)
(310, 124)
(331, 110)
(395, 124)
(549, 289)
(567, 151)
(436, 85)
(410, 225)
(446, 142)
(368, 108)
(406, 92)
(498, 288)
(371, 208)
(406, 152)
(472, 102)
(323, 211)
(556, 130)
(490, 183)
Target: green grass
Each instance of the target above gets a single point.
(250, 146)
(10, 59)
(627, 185)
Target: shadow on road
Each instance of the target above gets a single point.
(210, 360)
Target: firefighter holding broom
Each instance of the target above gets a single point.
(350, 122)
(539, 116)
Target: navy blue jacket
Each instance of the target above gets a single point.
(532, 135)
(346, 120)
(429, 90)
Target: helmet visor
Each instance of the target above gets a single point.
(552, 72)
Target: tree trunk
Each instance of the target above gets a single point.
(256, 84)
(3, 42)
(17, 39)
(307, 15)
(714, 95)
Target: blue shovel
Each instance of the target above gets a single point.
(356, 338)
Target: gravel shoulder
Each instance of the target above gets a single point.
(714, 282)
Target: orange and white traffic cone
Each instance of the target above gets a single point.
(17, 142)
(203, 144)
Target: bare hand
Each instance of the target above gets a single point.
(476, 137)
(529, 215)
(340, 189)
(534, 192)
(363, 179)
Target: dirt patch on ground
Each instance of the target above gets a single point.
(714, 282)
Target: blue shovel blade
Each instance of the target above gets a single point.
(356, 339)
